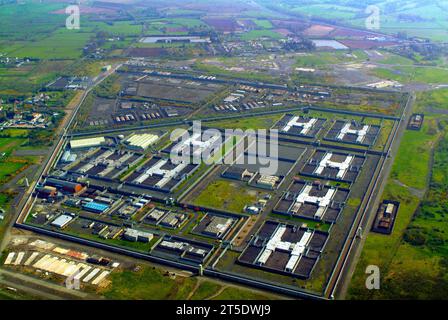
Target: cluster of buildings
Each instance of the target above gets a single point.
(183, 249)
(27, 120)
(286, 249)
(353, 132)
(334, 165)
(72, 265)
(313, 201)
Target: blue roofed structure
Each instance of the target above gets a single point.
(95, 207)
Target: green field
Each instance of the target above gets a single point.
(415, 248)
(414, 17)
(150, 283)
(257, 34)
(227, 195)
(262, 23)
(433, 100)
(146, 284)
(322, 59)
(9, 165)
(406, 74)
(205, 290)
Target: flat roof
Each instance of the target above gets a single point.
(96, 206)
(62, 220)
(88, 142)
(142, 140)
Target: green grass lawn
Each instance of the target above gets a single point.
(146, 284)
(412, 163)
(227, 195)
(150, 283)
(62, 44)
(9, 169)
(394, 59)
(437, 99)
(406, 74)
(263, 23)
(257, 34)
(329, 11)
(9, 165)
(205, 290)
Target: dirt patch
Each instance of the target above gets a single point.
(318, 30)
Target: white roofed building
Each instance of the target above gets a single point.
(87, 143)
(141, 142)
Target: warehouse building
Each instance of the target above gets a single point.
(154, 216)
(87, 143)
(215, 225)
(47, 192)
(62, 221)
(67, 186)
(95, 207)
(141, 142)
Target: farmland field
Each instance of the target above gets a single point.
(412, 251)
